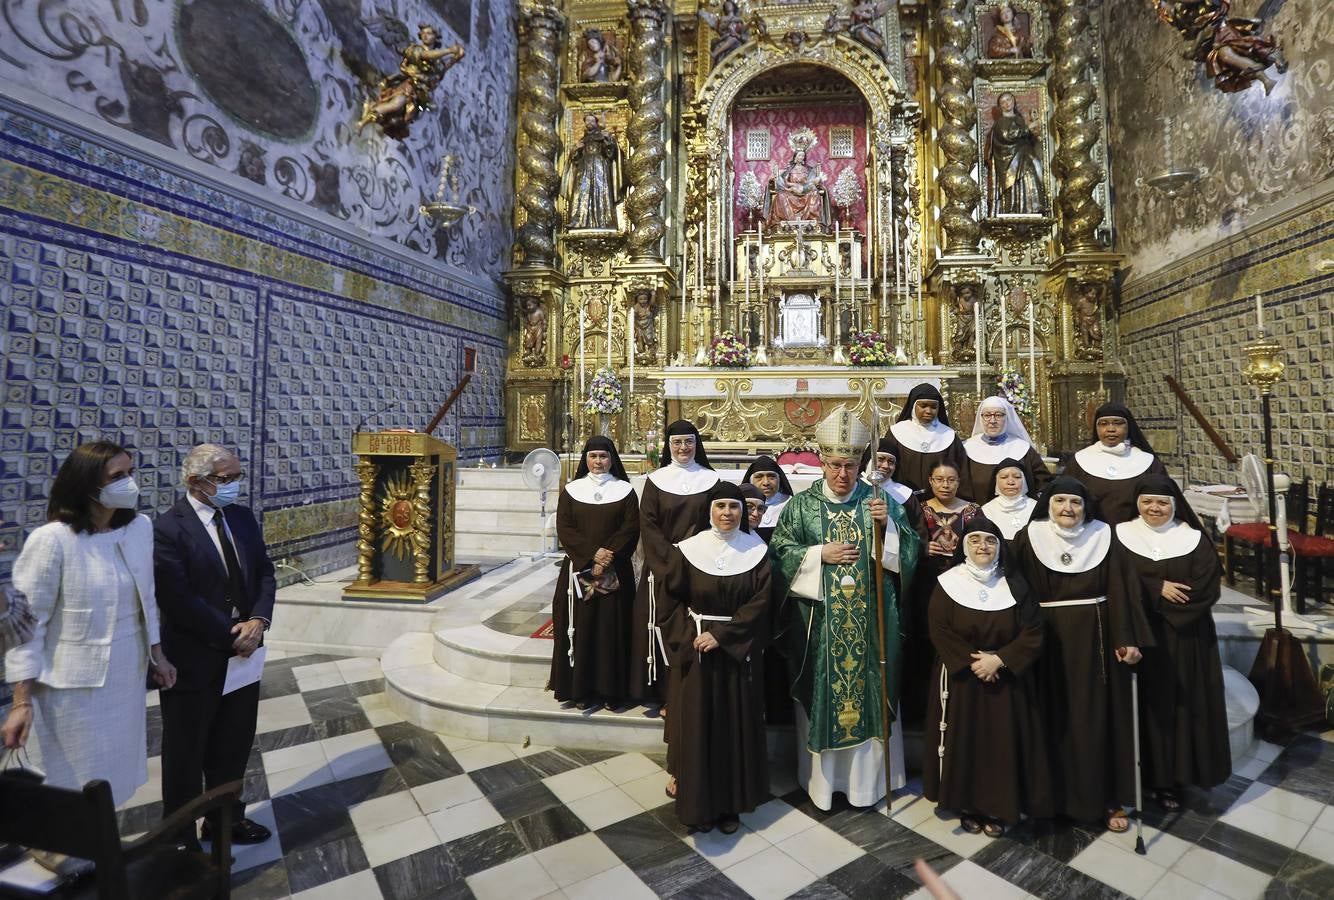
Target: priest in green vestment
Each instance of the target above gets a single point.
(824, 566)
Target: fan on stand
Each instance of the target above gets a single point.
(1253, 480)
(541, 472)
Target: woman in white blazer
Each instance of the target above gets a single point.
(88, 574)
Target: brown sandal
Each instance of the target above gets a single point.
(1169, 800)
(993, 829)
(1119, 813)
(970, 824)
(670, 789)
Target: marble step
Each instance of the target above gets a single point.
(490, 545)
(506, 500)
(499, 524)
(433, 698)
(482, 654)
(508, 478)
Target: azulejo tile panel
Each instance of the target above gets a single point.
(1191, 321)
(143, 325)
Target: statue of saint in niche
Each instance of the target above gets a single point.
(963, 339)
(646, 325)
(600, 61)
(1014, 163)
(534, 331)
(797, 192)
(1011, 39)
(729, 27)
(594, 178)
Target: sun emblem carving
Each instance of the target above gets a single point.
(396, 515)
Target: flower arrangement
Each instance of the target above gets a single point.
(729, 352)
(604, 393)
(1014, 388)
(869, 348)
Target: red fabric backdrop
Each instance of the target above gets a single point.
(781, 123)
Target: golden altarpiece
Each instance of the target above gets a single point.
(794, 174)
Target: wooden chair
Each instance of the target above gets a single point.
(83, 824)
(1313, 550)
(1255, 535)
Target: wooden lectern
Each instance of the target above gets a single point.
(405, 533)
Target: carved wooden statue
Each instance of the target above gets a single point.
(402, 97)
(534, 331)
(1233, 50)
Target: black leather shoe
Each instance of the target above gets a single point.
(243, 832)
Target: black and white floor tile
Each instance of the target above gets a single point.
(364, 805)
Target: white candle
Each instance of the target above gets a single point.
(760, 261)
(630, 342)
(581, 348)
(1259, 313)
(977, 333)
(1032, 350)
(745, 266)
(1005, 341)
(611, 311)
(838, 266)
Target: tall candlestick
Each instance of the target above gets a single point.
(581, 348)
(745, 267)
(611, 310)
(977, 332)
(1259, 314)
(699, 267)
(1032, 350)
(630, 342)
(838, 267)
(1005, 340)
(760, 261)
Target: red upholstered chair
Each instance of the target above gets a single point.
(1255, 535)
(1314, 551)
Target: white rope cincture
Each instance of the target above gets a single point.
(699, 619)
(944, 704)
(569, 599)
(1083, 601)
(654, 634)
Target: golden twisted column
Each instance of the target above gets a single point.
(538, 141)
(955, 134)
(1077, 130)
(367, 470)
(422, 472)
(643, 206)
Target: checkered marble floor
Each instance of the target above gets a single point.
(365, 805)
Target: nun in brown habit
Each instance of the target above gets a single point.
(1095, 627)
(991, 760)
(715, 612)
(674, 503)
(597, 521)
(1183, 715)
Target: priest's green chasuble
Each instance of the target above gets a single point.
(833, 644)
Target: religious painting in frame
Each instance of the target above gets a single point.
(1014, 151)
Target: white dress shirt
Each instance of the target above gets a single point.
(206, 513)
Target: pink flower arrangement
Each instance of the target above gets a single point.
(729, 352)
(869, 348)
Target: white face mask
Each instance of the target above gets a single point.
(120, 494)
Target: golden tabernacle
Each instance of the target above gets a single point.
(766, 210)
(405, 522)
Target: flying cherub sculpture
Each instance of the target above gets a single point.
(1233, 49)
(400, 98)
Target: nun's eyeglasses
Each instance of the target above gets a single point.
(681, 442)
(998, 414)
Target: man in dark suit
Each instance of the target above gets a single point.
(215, 590)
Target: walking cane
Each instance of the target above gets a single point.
(1139, 787)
